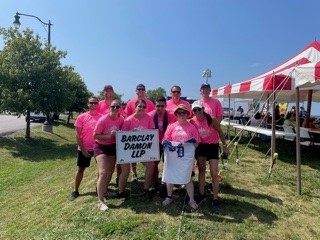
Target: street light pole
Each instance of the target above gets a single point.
(47, 124)
(207, 74)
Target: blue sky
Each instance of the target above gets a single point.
(170, 42)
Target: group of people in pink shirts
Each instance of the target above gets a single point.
(177, 121)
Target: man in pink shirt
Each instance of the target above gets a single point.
(175, 100)
(104, 104)
(85, 124)
(130, 109)
(212, 106)
(161, 119)
(141, 94)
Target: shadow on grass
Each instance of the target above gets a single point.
(231, 210)
(38, 148)
(228, 189)
(287, 151)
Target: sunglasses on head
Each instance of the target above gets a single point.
(139, 106)
(115, 107)
(197, 109)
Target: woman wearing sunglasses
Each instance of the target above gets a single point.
(178, 165)
(105, 148)
(208, 150)
(139, 120)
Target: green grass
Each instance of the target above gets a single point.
(36, 178)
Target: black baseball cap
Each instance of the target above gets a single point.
(139, 86)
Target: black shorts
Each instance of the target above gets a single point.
(208, 150)
(83, 161)
(107, 149)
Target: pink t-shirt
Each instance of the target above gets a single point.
(177, 132)
(105, 125)
(208, 134)
(131, 122)
(130, 108)
(171, 119)
(171, 106)
(213, 107)
(104, 108)
(87, 123)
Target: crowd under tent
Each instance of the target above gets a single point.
(295, 80)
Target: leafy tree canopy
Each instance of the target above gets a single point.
(153, 94)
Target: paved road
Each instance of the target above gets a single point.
(10, 124)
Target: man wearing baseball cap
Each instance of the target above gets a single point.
(212, 106)
(104, 104)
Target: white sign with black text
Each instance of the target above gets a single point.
(137, 146)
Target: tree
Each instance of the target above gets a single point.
(32, 78)
(156, 93)
(79, 92)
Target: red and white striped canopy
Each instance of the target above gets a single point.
(279, 79)
(307, 75)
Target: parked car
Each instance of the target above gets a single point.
(37, 116)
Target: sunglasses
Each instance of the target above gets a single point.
(175, 91)
(140, 89)
(160, 106)
(115, 107)
(181, 113)
(93, 103)
(197, 109)
(139, 106)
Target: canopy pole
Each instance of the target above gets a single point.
(229, 116)
(298, 150)
(273, 127)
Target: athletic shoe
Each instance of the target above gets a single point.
(147, 193)
(200, 199)
(215, 205)
(74, 195)
(102, 206)
(123, 196)
(194, 206)
(167, 201)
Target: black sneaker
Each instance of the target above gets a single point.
(215, 205)
(200, 199)
(123, 196)
(146, 193)
(74, 195)
(149, 194)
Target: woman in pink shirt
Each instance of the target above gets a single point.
(181, 131)
(208, 150)
(105, 148)
(139, 120)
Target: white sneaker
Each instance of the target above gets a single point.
(102, 206)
